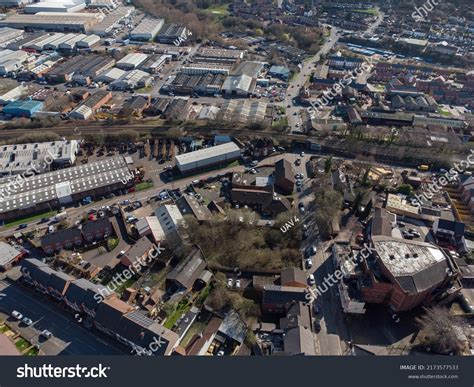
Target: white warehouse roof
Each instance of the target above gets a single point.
(206, 153)
(134, 60)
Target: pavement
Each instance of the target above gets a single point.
(69, 337)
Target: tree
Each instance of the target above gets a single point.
(328, 164)
(405, 189)
(441, 330)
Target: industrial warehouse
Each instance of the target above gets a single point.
(15, 159)
(217, 155)
(58, 188)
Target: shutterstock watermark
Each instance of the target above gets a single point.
(49, 371)
(153, 347)
(182, 39)
(437, 184)
(120, 278)
(334, 278)
(426, 9)
(339, 86)
(289, 224)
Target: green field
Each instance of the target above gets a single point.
(220, 10)
(27, 219)
(144, 185)
(371, 11)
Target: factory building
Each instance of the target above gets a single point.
(217, 155)
(217, 55)
(171, 33)
(88, 41)
(131, 61)
(112, 20)
(132, 80)
(41, 156)
(239, 85)
(65, 186)
(24, 108)
(70, 44)
(8, 35)
(147, 29)
(52, 21)
(204, 68)
(154, 63)
(11, 61)
(56, 6)
(85, 110)
(81, 68)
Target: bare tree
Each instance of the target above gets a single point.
(441, 331)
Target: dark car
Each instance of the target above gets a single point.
(317, 326)
(22, 226)
(44, 220)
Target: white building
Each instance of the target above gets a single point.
(216, 155)
(131, 80)
(15, 159)
(88, 41)
(131, 61)
(170, 219)
(56, 6)
(147, 29)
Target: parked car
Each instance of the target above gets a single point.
(316, 308)
(311, 280)
(230, 282)
(237, 283)
(17, 315)
(308, 263)
(22, 226)
(27, 321)
(298, 162)
(302, 154)
(301, 208)
(312, 250)
(46, 334)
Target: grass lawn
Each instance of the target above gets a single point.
(32, 352)
(181, 309)
(22, 344)
(4, 329)
(124, 285)
(203, 295)
(195, 329)
(444, 112)
(220, 10)
(144, 90)
(112, 243)
(371, 11)
(26, 219)
(144, 185)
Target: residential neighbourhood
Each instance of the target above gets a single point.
(239, 178)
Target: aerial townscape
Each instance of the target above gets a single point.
(236, 177)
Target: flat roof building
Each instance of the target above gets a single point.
(220, 154)
(56, 6)
(57, 188)
(131, 61)
(52, 21)
(15, 159)
(147, 29)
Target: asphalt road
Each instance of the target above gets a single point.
(69, 338)
(294, 121)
